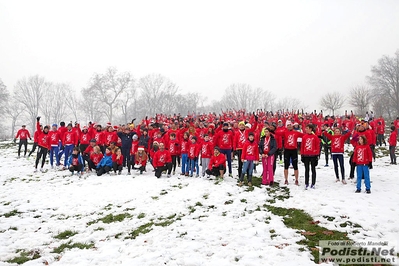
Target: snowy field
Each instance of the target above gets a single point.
(59, 219)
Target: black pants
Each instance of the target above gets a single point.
(77, 168)
(372, 147)
(131, 161)
(41, 153)
(90, 163)
(82, 148)
(174, 161)
(159, 170)
(216, 170)
(117, 167)
(277, 154)
(326, 149)
(22, 142)
(126, 155)
(103, 170)
(33, 148)
(392, 154)
(353, 166)
(239, 153)
(312, 162)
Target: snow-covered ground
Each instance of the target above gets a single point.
(191, 221)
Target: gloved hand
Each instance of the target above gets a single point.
(15, 140)
(38, 118)
(370, 165)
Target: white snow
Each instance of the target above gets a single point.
(215, 233)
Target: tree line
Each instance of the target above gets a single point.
(116, 96)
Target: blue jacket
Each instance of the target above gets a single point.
(80, 160)
(105, 161)
(126, 139)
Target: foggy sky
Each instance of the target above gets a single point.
(298, 48)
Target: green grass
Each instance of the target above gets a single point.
(199, 204)
(25, 256)
(11, 213)
(141, 215)
(163, 192)
(66, 234)
(205, 196)
(110, 218)
(71, 245)
(243, 200)
(99, 229)
(142, 229)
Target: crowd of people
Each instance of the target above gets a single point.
(171, 143)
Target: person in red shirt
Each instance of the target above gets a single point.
(224, 140)
(184, 144)
(117, 161)
(392, 144)
(69, 141)
(380, 134)
(141, 159)
(54, 138)
(249, 157)
(95, 158)
(23, 135)
(337, 150)
(206, 153)
(87, 153)
(162, 161)
(217, 164)
(133, 151)
(75, 161)
(193, 153)
(35, 136)
(174, 149)
(43, 143)
(267, 149)
(363, 157)
(240, 137)
(84, 139)
(310, 151)
(100, 138)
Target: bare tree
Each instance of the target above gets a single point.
(72, 102)
(128, 98)
(288, 103)
(385, 78)
(30, 92)
(156, 93)
(14, 109)
(90, 106)
(360, 97)
(242, 96)
(4, 96)
(107, 88)
(332, 101)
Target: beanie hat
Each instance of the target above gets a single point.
(248, 125)
(55, 125)
(135, 137)
(241, 123)
(140, 148)
(217, 148)
(70, 125)
(225, 124)
(93, 140)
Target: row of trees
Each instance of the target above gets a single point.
(381, 94)
(117, 96)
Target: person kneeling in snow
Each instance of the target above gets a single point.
(117, 161)
(141, 159)
(75, 161)
(162, 161)
(217, 164)
(105, 165)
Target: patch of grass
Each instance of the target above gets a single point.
(66, 234)
(71, 245)
(13, 228)
(155, 197)
(110, 218)
(99, 229)
(191, 209)
(298, 219)
(205, 196)
(129, 209)
(224, 213)
(165, 223)
(329, 218)
(199, 204)
(118, 235)
(182, 234)
(142, 229)
(243, 200)
(108, 207)
(171, 216)
(228, 202)
(11, 213)
(163, 192)
(25, 256)
(141, 215)
(7, 203)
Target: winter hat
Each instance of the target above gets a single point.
(251, 134)
(70, 125)
(241, 123)
(93, 140)
(45, 127)
(217, 148)
(55, 125)
(225, 124)
(140, 148)
(85, 128)
(155, 143)
(115, 127)
(135, 137)
(248, 125)
(289, 123)
(109, 124)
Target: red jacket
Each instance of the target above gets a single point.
(206, 149)
(216, 161)
(70, 138)
(194, 150)
(161, 158)
(85, 138)
(240, 137)
(89, 150)
(393, 138)
(23, 134)
(173, 147)
(61, 131)
(110, 137)
(337, 141)
(291, 139)
(100, 138)
(362, 154)
(35, 136)
(42, 139)
(141, 160)
(117, 161)
(135, 146)
(250, 151)
(224, 140)
(184, 146)
(310, 145)
(54, 138)
(96, 157)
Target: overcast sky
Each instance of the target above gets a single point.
(297, 48)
